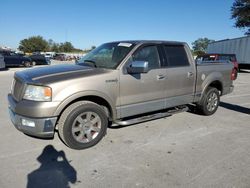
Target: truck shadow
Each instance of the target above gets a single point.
(55, 170)
(234, 107)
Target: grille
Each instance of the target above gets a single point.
(17, 89)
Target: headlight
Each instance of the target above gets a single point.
(38, 93)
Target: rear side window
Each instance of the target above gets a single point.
(176, 56)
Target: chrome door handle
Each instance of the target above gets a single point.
(160, 77)
(190, 74)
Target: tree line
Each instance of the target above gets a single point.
(39, 44)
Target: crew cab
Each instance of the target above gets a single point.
(120, 83)
(14, 59)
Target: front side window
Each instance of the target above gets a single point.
(108, 55)
(176, 56)
(149, 54)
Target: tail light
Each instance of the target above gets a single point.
(233, 74)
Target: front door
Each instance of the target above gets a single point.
(145, 92)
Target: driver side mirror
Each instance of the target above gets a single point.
(137, 67)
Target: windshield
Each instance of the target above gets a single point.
(108, 55)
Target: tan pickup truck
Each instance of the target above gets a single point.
(118, 83)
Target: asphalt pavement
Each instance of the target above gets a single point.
(184, 150)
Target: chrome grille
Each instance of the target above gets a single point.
(17, 89)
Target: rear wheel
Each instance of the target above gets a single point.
(209, 102)
(82, 125)
(27, 64)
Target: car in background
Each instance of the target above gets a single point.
(14, 59)
(49, 55)
(220, 57)
(39, 59)
(2, 63)
(60, 57)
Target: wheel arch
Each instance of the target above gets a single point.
(215, 84)
(97, 98)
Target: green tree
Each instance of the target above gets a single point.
(66, 47)
(34, 44)
(54, 47)
(200, 45)
(241, 13)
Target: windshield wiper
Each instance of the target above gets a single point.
(90, 61)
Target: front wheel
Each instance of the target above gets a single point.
(82, 125)
(209, 102)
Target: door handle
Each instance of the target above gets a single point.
(160, 77)
(190, 74)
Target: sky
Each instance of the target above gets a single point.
(93, 22)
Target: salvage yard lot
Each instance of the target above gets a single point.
(184, 150)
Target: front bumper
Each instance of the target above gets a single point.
(41, 127)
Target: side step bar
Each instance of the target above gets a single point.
(150, 116)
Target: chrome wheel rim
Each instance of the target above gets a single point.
(212, 102)
(86, 127)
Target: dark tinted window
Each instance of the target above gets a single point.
(176, 56)
(149, 54)
(227, 57)
(224, 57)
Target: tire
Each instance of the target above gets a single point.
(209, 102)
(27, 64)
(76, 127)
(33, 63)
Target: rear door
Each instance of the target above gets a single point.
(180, 75)
(141, 93)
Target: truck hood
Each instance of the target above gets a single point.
(56, 73)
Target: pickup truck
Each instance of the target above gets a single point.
(14, 59)
(118, 83)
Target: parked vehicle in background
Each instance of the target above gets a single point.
(238, 46)
(220, 58)
(49, 55)
(39, 59)
(60, 57)
(124, 82)
(13, 59)
(2, 63)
